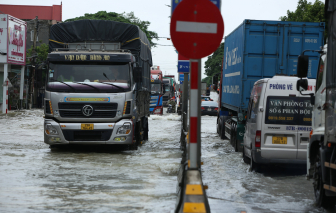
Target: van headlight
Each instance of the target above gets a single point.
(124, 129)
(50, 130)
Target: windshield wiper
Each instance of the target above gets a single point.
(111, 83)
(89, 86)
(65, 84)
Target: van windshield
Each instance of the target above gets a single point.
(288, 111)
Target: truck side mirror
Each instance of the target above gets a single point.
(302, 66)
(137, 74)
(312, 99)
(302, 85)
(163, 88)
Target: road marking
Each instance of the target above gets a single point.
(196, 27)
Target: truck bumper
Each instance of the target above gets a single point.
(102, 133)
(256, 154)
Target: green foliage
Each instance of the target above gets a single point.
(213, 64)
(307, 12)
(41, 51)
(123, 17)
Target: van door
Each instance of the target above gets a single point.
(279, 132)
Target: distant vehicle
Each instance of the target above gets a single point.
(255, 50)
(157, 91)
(209, 108)
(206, 98)
(169, 89)
(203, 88)
(278, 123)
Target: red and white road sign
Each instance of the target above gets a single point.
(196, 28)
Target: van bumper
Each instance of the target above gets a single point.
(256, 154)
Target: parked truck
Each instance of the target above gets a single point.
(98, 84)
(321, 152)
(157, 91)
(169, 89)
(260, 49)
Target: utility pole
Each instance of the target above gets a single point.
(33, 63)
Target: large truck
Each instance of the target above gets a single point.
(260, 49)
(157, 90)
(98, 84)
(169, 89)
(321, 151)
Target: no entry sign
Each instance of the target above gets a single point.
(196, 28)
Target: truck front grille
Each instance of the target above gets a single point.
(87, 135)
(100, 110)
(165, 98)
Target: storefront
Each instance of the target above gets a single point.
(12, 59)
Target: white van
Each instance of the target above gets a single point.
(278, 122)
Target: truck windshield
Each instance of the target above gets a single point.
(288, 111)
(167, 87)
(100, 76)
(155, 88)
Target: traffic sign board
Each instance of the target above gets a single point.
(194, 32)
(176, 2)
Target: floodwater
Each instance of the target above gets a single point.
(34, 178)
(89, 179)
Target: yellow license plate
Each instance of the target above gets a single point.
(87, 126)
(279, 140)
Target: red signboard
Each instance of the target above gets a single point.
(197, 28)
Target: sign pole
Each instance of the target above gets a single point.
(194, 119)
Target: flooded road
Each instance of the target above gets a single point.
(108, 179)
(90, 179)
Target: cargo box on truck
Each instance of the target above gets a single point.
(260, 49)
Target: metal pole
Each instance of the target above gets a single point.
(185, 101)
(194, 110)
(33, 65)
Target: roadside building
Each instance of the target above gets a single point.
(46, 16)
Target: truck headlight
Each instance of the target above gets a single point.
(124, 129)
(50, 130)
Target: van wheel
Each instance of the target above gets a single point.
(321, 200)
(245, 158)
(253, 165)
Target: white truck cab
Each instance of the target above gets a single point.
(278, 122)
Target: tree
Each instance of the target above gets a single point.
(123, 17)
(307, 12)
(213, 64)
(41, 51)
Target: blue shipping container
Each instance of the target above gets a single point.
(261, 49)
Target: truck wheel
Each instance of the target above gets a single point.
(245, 158)
(146, 129)
(222, 129)
(321, 200)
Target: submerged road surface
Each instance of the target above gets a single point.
(34, 178)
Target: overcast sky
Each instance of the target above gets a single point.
(157, 12)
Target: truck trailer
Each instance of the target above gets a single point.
(255, 50)
(169, 89)
(98, 84)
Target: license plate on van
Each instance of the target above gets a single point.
(279, 140)
(86, 126)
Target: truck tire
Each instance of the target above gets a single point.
(145, 129)
(321, 200)
(222, 128)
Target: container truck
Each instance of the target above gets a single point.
(321, 151)
(260, 49)
(98, 84)
(157, 90)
